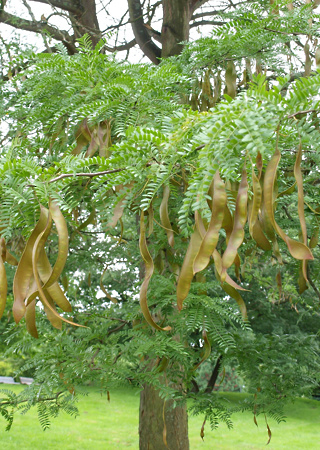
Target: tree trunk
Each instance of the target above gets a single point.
(175, 26)
(87, 21)
(154, 431)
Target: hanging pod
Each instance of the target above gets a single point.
(186, 274)
(237, 234)
(44, 297)
(3, 278)
(297, 249)
(149, 267)
(219, 200)
(302, 219)
(164, 215)
(24, 270)
(254, 206)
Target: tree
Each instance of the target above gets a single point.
(88, 17)
(158, 161)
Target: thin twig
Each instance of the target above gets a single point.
(89, 174)
(301, 112)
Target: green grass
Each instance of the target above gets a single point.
(107, 426)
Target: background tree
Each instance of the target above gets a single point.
(158, 157)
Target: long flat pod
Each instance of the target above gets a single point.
(119, 208)
(210, 240)
(236, 295)
(3, 279)
(38, 245)
(255, 228)
(218, 266)
(164, 215)
(30, 316)
(256, 202)
(186, 274)
(63, 243)
(24, 270)
(297, 249)
(55, 291)
(149, 267)
(54, 318)
(299, 180)
(240, 218)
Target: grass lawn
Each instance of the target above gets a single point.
(103, 426)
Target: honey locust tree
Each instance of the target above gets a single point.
(98, 155)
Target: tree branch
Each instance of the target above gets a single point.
(89, 174)
(37, 27)
(149, 48)
(120, 48)
(73, 6)
(40, 399)
(214, 376)
(206, 22)
(195, 4)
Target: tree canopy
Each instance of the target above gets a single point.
(187, 192)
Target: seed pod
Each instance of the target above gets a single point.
(299, 180)
(308, 62)
(210, 240)
(235, 295)
(164, 215)
(148, 274)
(43, 294)
(3, 279)
(317, 56)
(231, 79)
(30, 316)
(297, 249)
(186, 274)
(44, 269)
(218, 266)
(24, 270)
(240, 218)
(62, 231)
(256, 202)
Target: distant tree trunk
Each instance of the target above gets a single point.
(175, 26)
(86, 21)
(151, 424)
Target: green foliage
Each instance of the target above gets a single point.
(103, 139)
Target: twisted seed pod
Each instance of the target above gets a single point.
(149, 267)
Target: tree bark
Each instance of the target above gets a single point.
(87, 21)
(154, 430)
(149, 48)
(175, 26)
